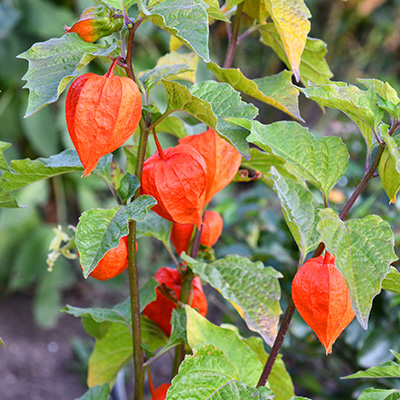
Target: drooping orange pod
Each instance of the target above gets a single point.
(212, 228)
(177, 179)
(161, 392)
(114, 262)
(210, 232)
(181, 235)
(322, 298)
(160, 310)
(222, 160)
(96, 22)
(102, 112)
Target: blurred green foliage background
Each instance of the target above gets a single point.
(363, 38)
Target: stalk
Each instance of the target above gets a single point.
(138, 356)
(233, 42)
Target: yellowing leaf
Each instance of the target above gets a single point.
(175, 43)
(291, 21)
(173, 58)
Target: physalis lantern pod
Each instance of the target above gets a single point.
(322, 298)
(222, 160)
(210, 232)
(181, 235)
(102, 112)
(160, 310)
(177, 179)
(96, 22)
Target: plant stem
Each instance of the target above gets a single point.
(369, 174)
(233, 42)
(130, 72)
(185, 297)
(138, 356)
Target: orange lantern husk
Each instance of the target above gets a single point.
(102, 112)
(222, 160)
(160, 310)
(177, 178)
(322, 298)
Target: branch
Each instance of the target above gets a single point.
(233, 42)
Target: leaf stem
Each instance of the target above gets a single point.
(159, 148)
(233, 42)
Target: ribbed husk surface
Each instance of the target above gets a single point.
(102, 113)
(322, 298)
(178, 183)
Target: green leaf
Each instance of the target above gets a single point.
(262, 161)
(242, 359)
(96, 393)
(389, 369)
(251, 288)
(320, 161)
(64, 57)
(210, 102)
(313, 66)
(152, 335)
(128, 186)
(185, 19)
(211, 376)
(118, 4)
(291, 21)
(3, 162)
(392, 281)
(364, 251)
(178, 333)
(298, 207)
(2, 344)
(214, 11)
(279, 379)
(275, 90)
(387, 96)
(359, 105)
(256, 9)
(113, 348)
(173, 126)
(154, 76)
(100, 230)
(379, 394)
(389, 165)
(147, 293)
(98, 314)
(393, 145)
(110, 354)
(25, 172)
(156, 227)
(6, 200)
(226, 102)
(121, 313)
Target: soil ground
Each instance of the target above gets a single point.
(37, 364)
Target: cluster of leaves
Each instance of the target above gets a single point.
(301, 169)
